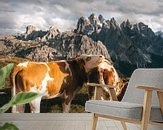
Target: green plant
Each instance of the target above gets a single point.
(4, 73)
(20, 98)
(8, 126)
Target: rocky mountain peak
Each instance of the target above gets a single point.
(113, 23)
(101, 18)
(94, 24)
(53, 29)
(88, 25)
(30, 29)
(143, 29)
(93, 19)
(51, 33)
(33, 34)
(126, 24)
(112, 20)
(83, 25)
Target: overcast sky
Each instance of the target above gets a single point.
(15, 15)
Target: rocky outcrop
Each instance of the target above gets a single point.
(43, 53)
(89, 25)
(84, 45)
(30, 29)
(144, 39)
(31, 34)
(43, 36)
(84, 26)
(62, 46)
(123, 46)
(52, 33)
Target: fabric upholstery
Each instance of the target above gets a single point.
(143, 77)
(121, 109)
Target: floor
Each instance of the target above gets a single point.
(58, 121)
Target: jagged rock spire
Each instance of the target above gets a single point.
(30, 29)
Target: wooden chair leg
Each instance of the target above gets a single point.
(160, 98)
(94, 123)
(124, 125)
(146, 110)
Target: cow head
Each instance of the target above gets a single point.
(90, 61)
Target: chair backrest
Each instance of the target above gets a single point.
(143, 77)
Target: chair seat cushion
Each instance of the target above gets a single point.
(125, 110)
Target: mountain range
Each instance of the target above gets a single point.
(128, 46)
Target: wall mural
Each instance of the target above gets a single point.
(58, 64)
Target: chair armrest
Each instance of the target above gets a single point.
(148, 100)
(147, 88)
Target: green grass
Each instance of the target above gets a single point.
(74, 109)
(4, 60)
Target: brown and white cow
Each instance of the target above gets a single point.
(52, 79)
(105, 73)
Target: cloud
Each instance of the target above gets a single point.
(15, 15)
(63, 24)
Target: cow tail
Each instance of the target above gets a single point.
(13, 80)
